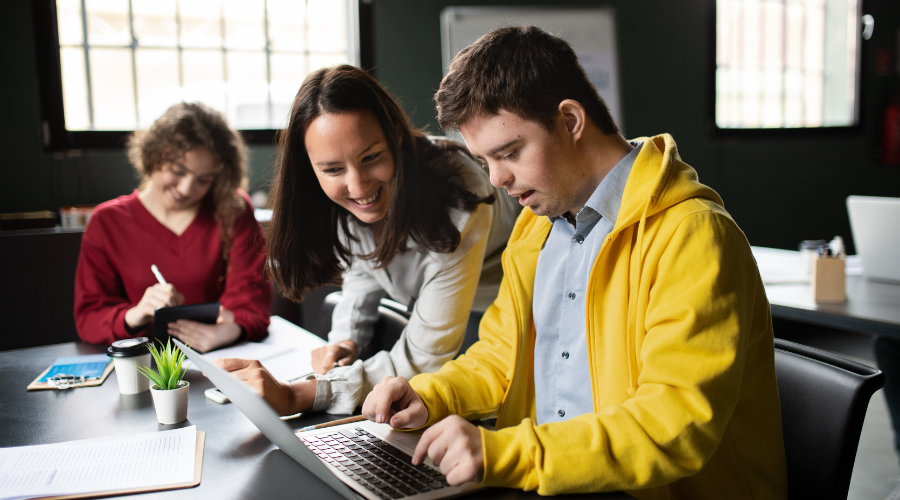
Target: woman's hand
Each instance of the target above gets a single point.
(204, 338)
(343, 353)
(154, 297)
(284, 398)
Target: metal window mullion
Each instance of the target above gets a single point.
(761, 66)
(87, 65)
(803, 68)
(178, 47)
(134, 88)
(268, 63)
(224, 55)
(784, 55)
(740, 95)
(306, 51)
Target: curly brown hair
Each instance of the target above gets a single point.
(186, 126)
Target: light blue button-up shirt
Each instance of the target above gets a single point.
(562, 382)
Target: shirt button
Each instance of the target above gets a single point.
(561, 413)
(579, 239)
(572, 295)
(565, 354)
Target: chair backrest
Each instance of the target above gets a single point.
(387, 329)
(824, 399)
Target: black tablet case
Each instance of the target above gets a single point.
(201, 313)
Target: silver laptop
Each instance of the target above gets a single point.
(875, 222)
(372, 459)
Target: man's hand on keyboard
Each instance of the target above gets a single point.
(454, 445)
(395, 402)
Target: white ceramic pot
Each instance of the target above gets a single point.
(171, 406)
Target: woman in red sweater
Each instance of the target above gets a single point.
(191, 219)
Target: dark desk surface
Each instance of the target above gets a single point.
(871, 307)
(238, 461)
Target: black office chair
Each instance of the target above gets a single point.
(823, 404)
(387, 330)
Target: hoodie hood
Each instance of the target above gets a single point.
(658, 180)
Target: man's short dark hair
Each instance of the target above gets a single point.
(524, 70)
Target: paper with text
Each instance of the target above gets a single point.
(152, 459)
(286, 353)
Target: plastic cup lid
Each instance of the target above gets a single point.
(127, 348)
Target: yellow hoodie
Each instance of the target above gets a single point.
(680, 348)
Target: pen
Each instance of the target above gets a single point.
(159, 276)
(358, 418)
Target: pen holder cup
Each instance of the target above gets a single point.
(829, 280)
(130, 380)
(171, 406)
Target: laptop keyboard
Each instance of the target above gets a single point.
(380, 467)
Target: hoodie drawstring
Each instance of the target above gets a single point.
(634, 279)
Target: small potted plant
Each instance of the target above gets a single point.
(170, 392)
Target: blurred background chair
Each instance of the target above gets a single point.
(824, 399)
(392, 319)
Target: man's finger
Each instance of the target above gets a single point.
(462, 472)
(425, 443)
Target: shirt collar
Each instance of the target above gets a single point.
(606, 200)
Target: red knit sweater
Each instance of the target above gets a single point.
(121, 242)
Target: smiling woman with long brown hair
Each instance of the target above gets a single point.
(363, 199)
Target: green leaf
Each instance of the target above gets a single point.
(168, 360)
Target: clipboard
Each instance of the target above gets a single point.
(198, 468)
(36, 385)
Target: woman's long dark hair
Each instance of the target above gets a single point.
(304, 250)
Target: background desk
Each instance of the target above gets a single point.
(238, 461)
(872, 308)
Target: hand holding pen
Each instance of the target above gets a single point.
(162, 294)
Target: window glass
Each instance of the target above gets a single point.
(248, 92)
(287, 25)
(107, 22)
(70, 27)
(157, 83)
(245, 25)
(74, 88)
(204, 77)
(155, 23)
(288, 71)
(112, 89)
(787, 63)
(246, 58)
(201, 23)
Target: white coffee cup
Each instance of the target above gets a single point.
(128, 354)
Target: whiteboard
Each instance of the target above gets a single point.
(590, 31)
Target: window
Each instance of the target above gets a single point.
(122, 63)
(787, 63)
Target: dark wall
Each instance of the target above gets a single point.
(780, 190)
(33, 179)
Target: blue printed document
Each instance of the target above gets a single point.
(89, 367)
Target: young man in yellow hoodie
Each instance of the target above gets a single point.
(630, 346)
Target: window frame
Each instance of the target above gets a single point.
(776, 132)
(55, 136)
